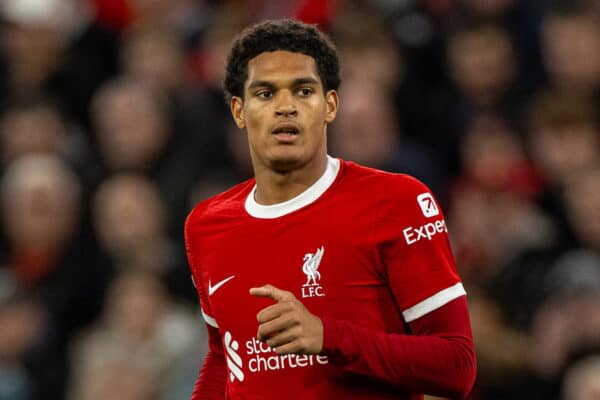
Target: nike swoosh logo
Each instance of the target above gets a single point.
(213, 289)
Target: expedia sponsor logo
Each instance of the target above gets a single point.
(427, 204)
(428, 231)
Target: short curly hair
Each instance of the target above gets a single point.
(283, 34)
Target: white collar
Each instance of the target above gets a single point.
(302, 200)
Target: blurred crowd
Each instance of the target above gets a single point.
(113, 125)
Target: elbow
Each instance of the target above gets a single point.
(464, 385)
(459, 377)
(460, 387)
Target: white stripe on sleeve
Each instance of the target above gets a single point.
(434, 302)
(209, 320)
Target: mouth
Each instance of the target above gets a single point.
(286, 129)
(286, 133)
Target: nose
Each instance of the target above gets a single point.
(285, 106)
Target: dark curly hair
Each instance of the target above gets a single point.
(284, 34)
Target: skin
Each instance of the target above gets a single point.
(284, 89)
(287, 326)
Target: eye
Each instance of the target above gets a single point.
(264, 94)
(304, 92)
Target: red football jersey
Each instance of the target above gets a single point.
(359, 245)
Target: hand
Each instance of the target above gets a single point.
(287, 326)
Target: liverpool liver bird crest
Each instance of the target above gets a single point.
(311, 266)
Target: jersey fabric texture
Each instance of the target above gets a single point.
(365, 250)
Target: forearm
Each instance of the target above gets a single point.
(438, 359)
(210, 384)
(211, 381)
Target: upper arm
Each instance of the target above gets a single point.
(417, 257)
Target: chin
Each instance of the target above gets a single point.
(285, 164)
(286, 160)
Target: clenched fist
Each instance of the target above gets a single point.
(287, 326)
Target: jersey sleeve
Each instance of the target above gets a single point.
(416, 256)
(211, 382)
(437, 356)
(191, 248)
(212, 378)
(437, 359)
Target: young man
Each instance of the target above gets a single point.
(320, 278)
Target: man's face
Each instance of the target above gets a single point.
(285, 111)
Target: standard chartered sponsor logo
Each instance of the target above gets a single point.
(234, 361)
(427, 231)
(263, 358)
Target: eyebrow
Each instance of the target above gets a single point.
(295, 82)
(305, 81)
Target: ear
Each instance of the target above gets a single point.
(332, 101)
(236, 105)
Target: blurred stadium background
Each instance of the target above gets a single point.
(112, 126)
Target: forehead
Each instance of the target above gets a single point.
(281, 65)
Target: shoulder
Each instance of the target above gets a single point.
(389, 197)
(395, 186)
(225, 203)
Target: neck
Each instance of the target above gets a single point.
(278, 185)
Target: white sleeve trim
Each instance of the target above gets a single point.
(434, 302)
(209, 320)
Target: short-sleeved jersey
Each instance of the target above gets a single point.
(361, 245)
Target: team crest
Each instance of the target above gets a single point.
(310, 267)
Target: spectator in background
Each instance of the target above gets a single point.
(31, 365)
(593, 7)
(131, 221)
(493, 212)
(520, 286)
(121, 379)
(482, 65)
(567, 322)
(582, 194)
(46, 243)
(154, 58)
(35, 45)
(38, 128)
(483, 69)
(570, 43)
(555, 290)
(564, 136)
(369, 128)
(143, 333)
(486, 9)
(493, 215)
(204, 145)
(582, 379)
(135, 133)
(53, 49)
(564, 140)
(132, 128)
(366, 131)
(47, 248)
(368, 50)
(186, 18)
